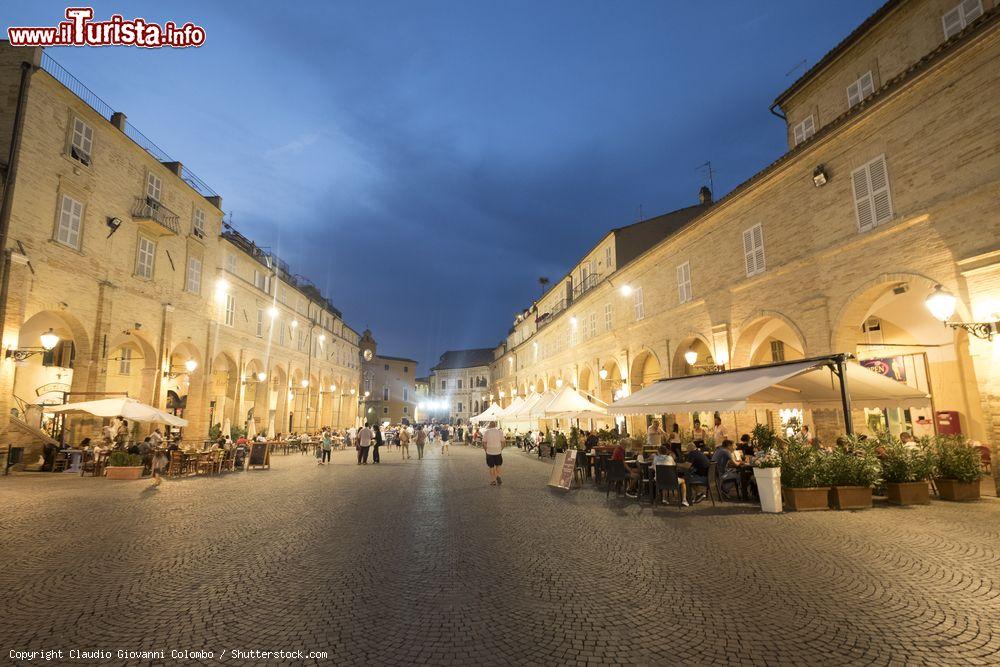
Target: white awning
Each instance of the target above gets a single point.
(809, 383)
(489, 414)
(129, 408)
(568, 399)
(514, 406)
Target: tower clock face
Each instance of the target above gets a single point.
(367, 355)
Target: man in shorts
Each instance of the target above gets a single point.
(493, 442)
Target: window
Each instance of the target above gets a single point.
(460, 407)
(198, 225)
(406, 369)
(406, 410)
(804, 130)
(154, 187)
(61, 356)
(406, 394)
(593, 324)
(83, 141)
(385, 411)
(260, 323)
(608, 317)
(281, 334)
(125, 361)
(962, 15)
(459, 383)
(444, 384)
(860, 89)
(777, 350)
(574, 335)
(70, 222)
(640, 309)
(753, 250)
(193, 284)
(260, 280)
(231, 262)
(387, 367)
(607, 258)
(684, 283)
(230, 310)
(872, 202)
(301, 342)
(145, 257)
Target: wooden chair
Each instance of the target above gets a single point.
(228, 462)
(712, 488)
(580, 469)
(94, 465)
(176, 467)
(61, 462)
(205, 463)
(985, 459)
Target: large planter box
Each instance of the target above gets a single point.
(908, 493)
(769, 488)
(123, 472)
(804, 500)
(850, 497)
(952, 489)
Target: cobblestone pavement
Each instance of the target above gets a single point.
(421, 562)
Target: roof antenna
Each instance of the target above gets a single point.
(799, 64)
(711, 174)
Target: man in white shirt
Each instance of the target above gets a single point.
(493, 442)
(365, 436)
(720, 434)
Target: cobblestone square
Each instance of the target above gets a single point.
(422, 562)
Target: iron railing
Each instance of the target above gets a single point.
(75, 86)
(147, 208)
(587, 284)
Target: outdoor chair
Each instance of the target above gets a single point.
(712, 488)
(985, 458)
(94, 465)
(205, 463)
(666, 482)
(60, 463)
(217, 461)
(691, 484)
(228, 462)
(615, 473)
(580, 469)
(176, 468)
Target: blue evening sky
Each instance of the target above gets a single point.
(425, 162)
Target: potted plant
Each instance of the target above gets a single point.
(767, 468)
(958, 469)
(122, 465)
(803, 481)
(852, 471)
(906, 470)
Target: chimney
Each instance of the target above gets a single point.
(118, 120)
(175, 167)
(704, 196)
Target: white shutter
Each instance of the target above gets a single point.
(878, 177)
(952, 22)
(971, 10)
(748, 253)
(867, 85)
(680, 284)
(862, 199)
(853, 93)
(758, 244)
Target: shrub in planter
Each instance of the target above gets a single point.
(122, 465)
(852, 471)
(906, 469)
(767, 475)
(803, 476)
(560, 442)
(958, 468)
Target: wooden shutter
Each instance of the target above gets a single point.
(867, 84)
(758, 245)
(952, 22)
(971, 10)
(748, 254)
(680, 284)
(854, 93)
(878, 177)
(862, 199)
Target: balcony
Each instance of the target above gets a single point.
(587, 284)
(148, 209)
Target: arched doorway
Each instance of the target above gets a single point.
(131, 367)
(180, 391)
(224, 390)
(255, 396)
(586, 383)
(693, 356)
(645, 371)
(277, 418)
(887, 325)
(768, 339)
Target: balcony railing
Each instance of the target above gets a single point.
(587, 284)
(147, 208)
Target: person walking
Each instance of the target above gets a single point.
(421, 438)
(445, 434)
(493, 442)
(404, 442)
(378, 443)
(364, 442)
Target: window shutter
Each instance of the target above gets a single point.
(758, 243)
(881, 201)
(748, 253)
(867, 85)
(862, 199)
(853, 93)
(952, 22)
(971, 10)
(680, 284)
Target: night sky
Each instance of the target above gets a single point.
(425, 162)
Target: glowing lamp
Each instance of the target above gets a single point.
(691, 357)
(261, 376)
(603, 373)
(559, 383)
(190, 365)
(626, 290)
(49, 339)
(941, 303)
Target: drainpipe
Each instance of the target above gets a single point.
(8, 187)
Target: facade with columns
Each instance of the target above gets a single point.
(890, 187)
(123, 254)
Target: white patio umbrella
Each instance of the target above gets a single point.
(251, 429)
(227, 428)
(129, 408)
(270, 428)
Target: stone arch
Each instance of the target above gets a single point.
(131, 366)
(692, 341)
(255, 394)
(752, 346)
(645, 369)
(278, 398)
(586, 381)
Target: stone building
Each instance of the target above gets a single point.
(890, 187)
(388, 385)
(460, 384)
(124, 255)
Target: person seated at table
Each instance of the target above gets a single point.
(134, 448)
(634, 471)
(591, 441)
(174, 446)
(725, 466)
(745, 446)
(698, 474)
(665, 458)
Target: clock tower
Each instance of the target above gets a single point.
(367, 346)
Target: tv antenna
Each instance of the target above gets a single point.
(799, 64)
(711, 174)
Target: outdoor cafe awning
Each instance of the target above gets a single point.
(129, 408)
(489, 414)
(809, 383)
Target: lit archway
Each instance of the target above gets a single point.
(768, 338)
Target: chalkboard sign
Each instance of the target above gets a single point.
(260, 455)
(562, 476)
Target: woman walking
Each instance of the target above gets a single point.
(404, 442)
(378, 442)
(421, 437)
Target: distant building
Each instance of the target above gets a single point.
(388, 386)
(460, 384)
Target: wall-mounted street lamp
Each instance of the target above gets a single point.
(49, 340)
(820, 176)
(603, 373)
(941, 303)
